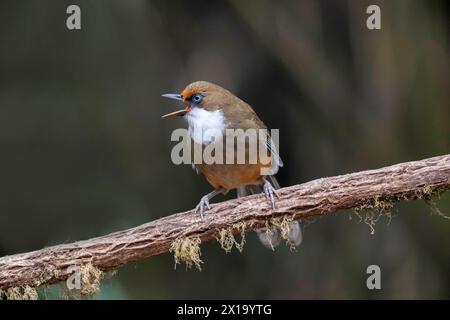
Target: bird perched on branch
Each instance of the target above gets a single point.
(217, 118)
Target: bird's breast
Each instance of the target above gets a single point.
(205, 126)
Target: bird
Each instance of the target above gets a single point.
(210, 107)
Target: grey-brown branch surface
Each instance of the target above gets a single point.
(405, 181)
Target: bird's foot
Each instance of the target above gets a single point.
(204, 202)
(270, 193)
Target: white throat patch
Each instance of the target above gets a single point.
(205, 126)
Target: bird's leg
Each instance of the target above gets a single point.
(204, 201)
(270, 192)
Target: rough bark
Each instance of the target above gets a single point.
(406, 181)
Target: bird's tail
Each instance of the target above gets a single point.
(272, 237)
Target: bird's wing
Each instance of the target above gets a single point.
(247, 118)
(273, 149)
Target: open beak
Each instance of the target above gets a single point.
(175, 113)
(173, 96)
(178, 97)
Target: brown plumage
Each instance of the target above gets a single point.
(238, 115)
(210, 106)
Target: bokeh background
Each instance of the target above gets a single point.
(84, 151)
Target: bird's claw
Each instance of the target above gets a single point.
(204, 201)
(270, 193)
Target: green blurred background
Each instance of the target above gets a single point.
(84, 151)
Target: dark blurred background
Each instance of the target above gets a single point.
(84, 151)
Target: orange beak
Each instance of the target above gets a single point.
(178, 97)
(175, 113)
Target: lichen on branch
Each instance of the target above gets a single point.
(182, 233)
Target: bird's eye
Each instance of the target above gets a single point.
(197, 98)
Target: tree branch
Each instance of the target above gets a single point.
(406, 181)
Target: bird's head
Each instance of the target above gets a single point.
(201, 94)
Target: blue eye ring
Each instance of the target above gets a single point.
(197, 98)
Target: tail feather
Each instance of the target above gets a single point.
(271, 237)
